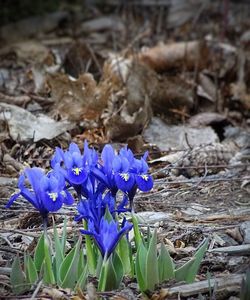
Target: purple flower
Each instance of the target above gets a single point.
(93, 208)
(75, 167)
(140, 168)
(73, 171)
(108, 235)
(47, 193)
(123, 171)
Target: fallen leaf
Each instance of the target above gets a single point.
(103, 24)
(74, 99)
(180, 137)
(176, 55)
(24, 126)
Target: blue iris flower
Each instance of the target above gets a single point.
(108, 235)
(105, 173)
(75, 167)
(124, 179)
(93, 208)
(123, 171)
(73, 170)
(47, 193)
(143, 180)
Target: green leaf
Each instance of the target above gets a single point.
(58, 253)
(182, 272)
(32, 275)
(138, 237)
(17, 277)
(69, 268)
(140, 268)
(90, 252)
(81, 283)
(165, 264)
(48, 274)
(64, 236)
(81, 263)
(108, 279)
(119, 270)
(124, 253)
(99, 266)
(25, 266)
(193, 270)
(152, 273)
(39, 253)
(148, 237)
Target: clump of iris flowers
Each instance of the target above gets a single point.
(96, 182)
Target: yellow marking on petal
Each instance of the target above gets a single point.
(77, 171)
(144, 177)
(125, 176)
(53, 196)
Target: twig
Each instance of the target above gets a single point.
(36, 290)
(92, 53)
(230, 283)
(233, 250)
(202, 178)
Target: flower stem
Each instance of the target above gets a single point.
(45, 224)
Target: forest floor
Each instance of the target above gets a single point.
(172, 78)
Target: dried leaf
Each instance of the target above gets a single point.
(24, 126)
(177, 137)
(75, 98)
(176, 55)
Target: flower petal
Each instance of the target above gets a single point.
(77, 175)
(57, 157)
(67, 197)
(34, 176)
(51, 201)
(108, 155)
(124, 181)
(144, 182)
(73, 147)
(12, 199)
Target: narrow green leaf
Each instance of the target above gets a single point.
(118, 267)
(81, 283)
(17, 277)
(198, 256)
(124, 253)
(165, 264)
(90, 252)
(58, 253)
(99, 266)
(81, 263)
(32, 275)
(69, 268)
(140, 269)
(48, 275)
(132, 262)
(108, 279)
(182, 272)
(39, 253)
(138, 237)
(64, 236)
(25, 266)
(148, 237)
(152, 273)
